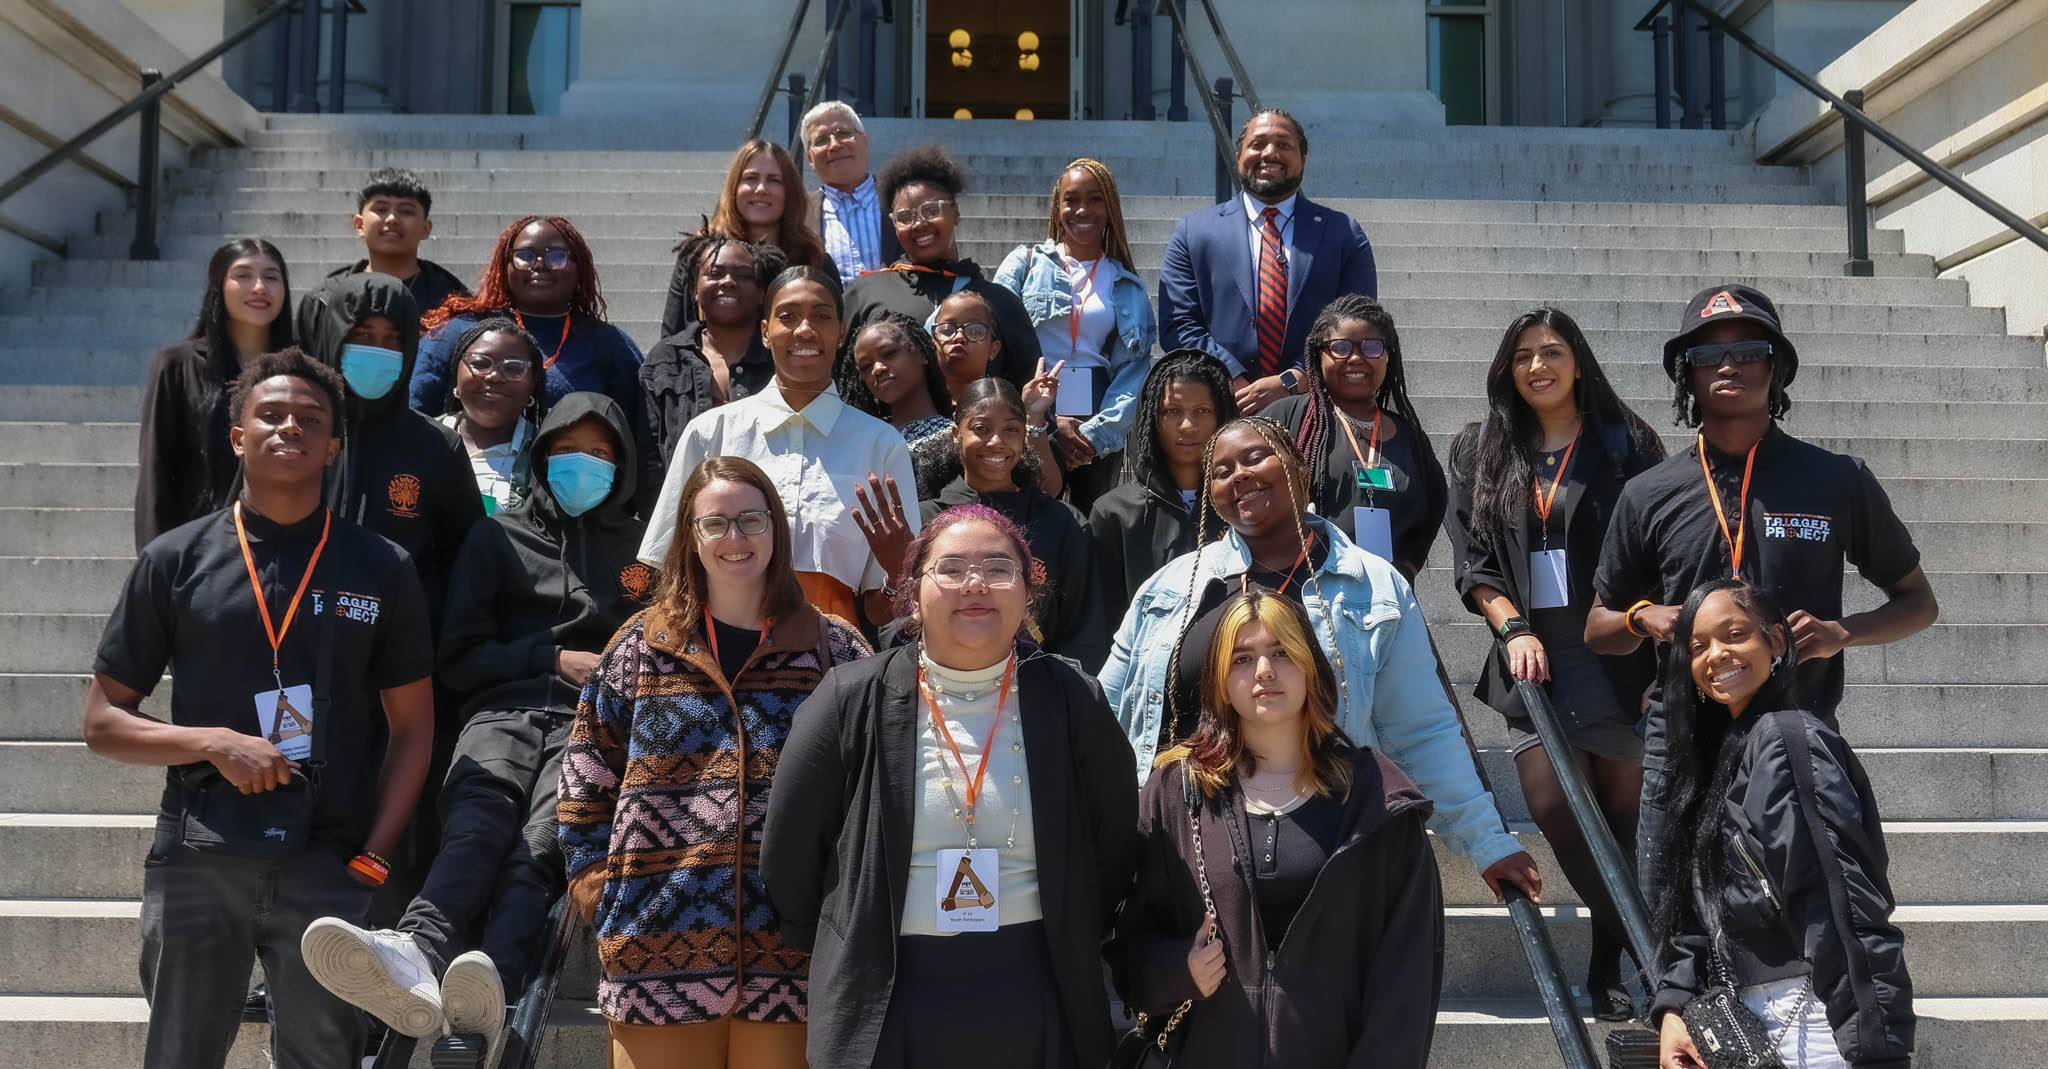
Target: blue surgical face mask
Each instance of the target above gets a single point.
(369, 370)
(579, 481)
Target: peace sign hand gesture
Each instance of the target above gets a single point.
(1040, 391)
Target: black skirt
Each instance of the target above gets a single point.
(985, 999)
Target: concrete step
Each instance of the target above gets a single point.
(90, 443)
(43, 531)
(70, 402)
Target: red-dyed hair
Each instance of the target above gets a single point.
(493, 295)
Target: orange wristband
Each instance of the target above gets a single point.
(1628, 619)
(370, 868)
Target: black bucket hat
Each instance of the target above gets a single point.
(1717, 303)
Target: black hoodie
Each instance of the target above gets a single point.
(533, 580)
(429, 286)
(400, 474)
(1135, 529)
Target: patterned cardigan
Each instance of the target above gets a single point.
(653, 796)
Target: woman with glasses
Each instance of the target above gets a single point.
(763, 203)
(497, 397)
(953, 826)
(669, 773)
(542, 277)
(999, 463)
(920, 190)
(1081, 289)
(1371, 468)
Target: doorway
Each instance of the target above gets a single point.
(997, 59)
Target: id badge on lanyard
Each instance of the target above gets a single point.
(1373, 530)
(1549, 580)
(967, 890)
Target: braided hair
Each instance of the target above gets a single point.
(1115, 243)
(853, 386)
(1319, 417)
(1143, 456)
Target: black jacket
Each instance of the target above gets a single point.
(836, 854)
(429, 286)
(1584, 504)
(533, 580)
(676, 387)
(1356, 979)
(400, 473)
(1069, 616)
(1806, 890)
(1135, 529)
(1417, 503)
(917, 293)
(187, 469)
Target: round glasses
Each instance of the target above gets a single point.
(1345, 348)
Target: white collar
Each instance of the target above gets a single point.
(1254, 207)
(822, 413)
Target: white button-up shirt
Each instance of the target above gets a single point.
(815, 457)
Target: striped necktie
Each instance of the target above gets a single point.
(1272, 312)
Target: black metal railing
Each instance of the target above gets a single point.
(801, 98)
(1215, 99)
(148, 104)
(1671, 39)
(525, 1027)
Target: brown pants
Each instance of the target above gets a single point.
(710, 1045)
(830, 595)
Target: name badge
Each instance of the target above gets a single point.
(1077, 392)
(1373, 530)
(967, 890)
(1549, 580)
(1372, 478)
(286, 719)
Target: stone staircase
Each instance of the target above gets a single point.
(1470, 226)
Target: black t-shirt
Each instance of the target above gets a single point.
(1415, 506)
(735, 645)
(1185, 710)
(187, 606)
(1808, 512)
(1288, 852)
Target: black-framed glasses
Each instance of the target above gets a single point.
(555, 258)
(928, 212)
(511, 367)
(944, 329)
(997, 573)
(1345, 348)
(1734, 352)
(712, 526)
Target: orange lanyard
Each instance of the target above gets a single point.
(1545, 501)
(567, 319)
(1244, 581)
(1345, 420)
(911, 267)
(1741, 529)
(1080, 297)
(711, 637)
(276, 634)
(939, 722)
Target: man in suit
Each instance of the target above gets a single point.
(1244, 280)
(849, 213)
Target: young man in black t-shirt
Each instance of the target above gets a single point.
(392, 218)
(290, 630)
(1750, 500)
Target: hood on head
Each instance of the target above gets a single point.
(572, 409)
(339, 305)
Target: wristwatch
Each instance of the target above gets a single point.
(1512, 626)
(1290, 380)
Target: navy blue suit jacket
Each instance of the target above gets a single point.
(1208, 292)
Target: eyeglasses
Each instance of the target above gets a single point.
(997, 573)
(825, 138)
(974, 331)
(712, 527)
(928, 212)
(1345, 348)
(1734, 352)
(556, 258)
(511, 367)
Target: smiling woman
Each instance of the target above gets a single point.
(498, 394)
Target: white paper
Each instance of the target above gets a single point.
(1077, 391)
(1373, 530)
(1549, 580)
(294, 737)
(967, 896)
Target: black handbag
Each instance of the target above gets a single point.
(1730, 1035)
(219, 819)
(1151, 1043)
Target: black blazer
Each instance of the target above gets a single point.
(836, 849)
(1605, 460)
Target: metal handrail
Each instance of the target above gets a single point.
(796, 25)
(1855, 123)
(527, 1029)
(1244, 81)
(800, 99)
(1574, 1043)
(1215, 102)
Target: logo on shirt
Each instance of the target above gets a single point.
(362, 608)
(1722, 304)
(636, 580)
(1798, 526)
(404, 492)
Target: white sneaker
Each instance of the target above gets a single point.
(383, 972)
(473, 999)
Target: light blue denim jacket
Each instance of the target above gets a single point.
(1033, 274)
(1364, 611)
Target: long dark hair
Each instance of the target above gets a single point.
(1319, 420)
(1505, 460)
(1143, 456)
(213, 308)
(1700, 759)
(853, 388)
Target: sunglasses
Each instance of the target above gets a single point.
(1734, 352)
(555, 258)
